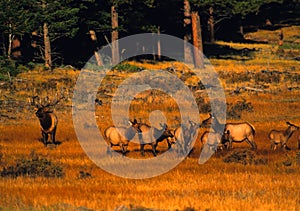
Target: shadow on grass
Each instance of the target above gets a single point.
(212, 50)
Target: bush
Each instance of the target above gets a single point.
(126, 68)
(10, 67)
(34, 167)
(242, 156)
(234, 111)
(266, 76)
(245, 157)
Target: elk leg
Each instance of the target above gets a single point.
(154, 148)
(108, 149)
(252, 144)
(169, 144)
(123, 149)
(273, 147)
(251, 141)
(230, 145)
(45, 138)
(53, 136)
(142, 144)
(142, 149)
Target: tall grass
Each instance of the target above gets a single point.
(269, 180)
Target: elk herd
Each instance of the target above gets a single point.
(220, 137)
(182, 136)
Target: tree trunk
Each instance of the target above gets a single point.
(47, 50)
(97, 56)
(197, 40)
(211, 25)
(241, 29)
(114, 36)
(188, 58)
(158, 45)
(10, 39)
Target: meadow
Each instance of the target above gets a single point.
(240, 179)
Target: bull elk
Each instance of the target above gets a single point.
(121, 136)
(151, 135)
(282, 136)
(48, 120)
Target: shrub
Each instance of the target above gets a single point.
(34, 167)
(240, 156)
(10, 67)
(126, 68)
(239, 77)
(245, 157)
(266, 76)
(234, 111)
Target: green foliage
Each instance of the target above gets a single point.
(60, 16)
(35, 166)
(16, 17)
(8, 68)
(125, 67)
(287, 45)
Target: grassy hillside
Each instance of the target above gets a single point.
(261, 86)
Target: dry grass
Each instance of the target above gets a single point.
(270, 183)
(213, 186)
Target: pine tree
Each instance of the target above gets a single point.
(56, 19)
(16, 19)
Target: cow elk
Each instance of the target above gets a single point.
(152, 136)
(184, 136)
(239, 132)
(121, 136)
(48, 120)
(282, 136)
(213, 140)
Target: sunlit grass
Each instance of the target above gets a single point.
(215, 185)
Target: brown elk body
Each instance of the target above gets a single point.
(48, 123)
(185, 135)
(48, 120)
(213, 140)
(152, 136)
(282, 136)
(121, 136)
(239, 132)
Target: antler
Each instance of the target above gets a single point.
(57, 99)
(35, 103)
(47, 102)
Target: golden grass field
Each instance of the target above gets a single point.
(269, 185)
